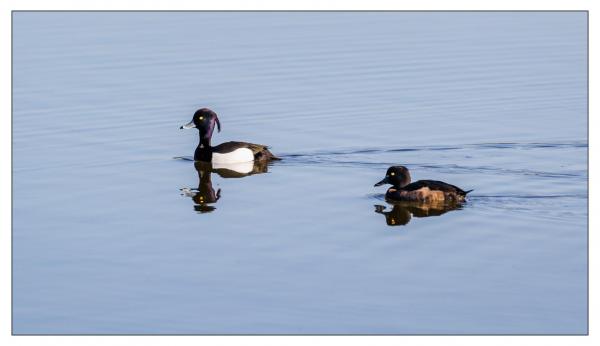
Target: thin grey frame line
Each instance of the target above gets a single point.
(304, 11)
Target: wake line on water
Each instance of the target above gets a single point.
(333, 158)
(498, 145)
(525, 196)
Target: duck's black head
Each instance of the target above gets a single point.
(204, 120)
(397, 176)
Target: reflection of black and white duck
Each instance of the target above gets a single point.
(225, 153)
(423, 191)
(205, 194)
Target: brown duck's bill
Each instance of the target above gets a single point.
(189, 125)
(383, 181)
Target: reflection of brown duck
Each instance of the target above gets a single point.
(205, 194)
(402, 212)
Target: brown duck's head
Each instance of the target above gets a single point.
(397, 176)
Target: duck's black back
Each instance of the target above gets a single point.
(435, 185)
(260, 152)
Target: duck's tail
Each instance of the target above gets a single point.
(465, 192)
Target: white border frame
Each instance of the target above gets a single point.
(7, 6)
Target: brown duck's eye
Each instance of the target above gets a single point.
(392, 173)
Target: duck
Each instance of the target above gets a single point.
(422, 191)
(205, 121)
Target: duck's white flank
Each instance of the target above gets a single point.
(240, 167)
(238, 155)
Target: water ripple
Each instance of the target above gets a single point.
(498, 145)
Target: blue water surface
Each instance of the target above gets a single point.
(106, 241)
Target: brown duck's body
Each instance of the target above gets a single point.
(427, 191)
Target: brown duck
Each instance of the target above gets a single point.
(422, 191)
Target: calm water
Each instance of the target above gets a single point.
(112, 234)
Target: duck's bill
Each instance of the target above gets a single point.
(383, 181)
(189, 125)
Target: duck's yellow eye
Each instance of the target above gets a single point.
(392, 173)
(201, 118)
